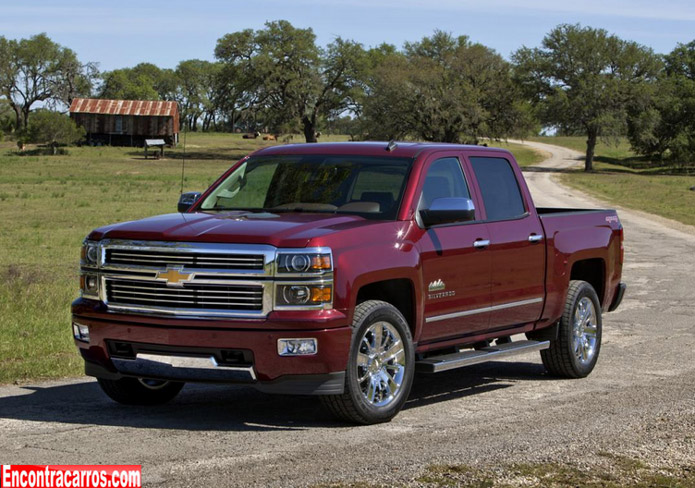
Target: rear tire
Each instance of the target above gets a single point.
(575, 351)
(140, 391)
(380, 366)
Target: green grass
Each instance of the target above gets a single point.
(524, 155)
(616, 149)
(622, 178)
(607, 471)
(49, 203)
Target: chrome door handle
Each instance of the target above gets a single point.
(481, 243)
(535, 238)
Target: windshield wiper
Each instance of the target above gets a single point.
(233, 209)
(296, 210)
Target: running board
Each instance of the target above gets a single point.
(469, 357)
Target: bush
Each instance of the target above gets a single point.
(54, 129)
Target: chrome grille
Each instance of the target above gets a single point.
(189, 259)
(156, 294)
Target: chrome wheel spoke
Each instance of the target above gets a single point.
(371, 390)
(362, 359)
(364, 376)
(378, 334)
(394, 352)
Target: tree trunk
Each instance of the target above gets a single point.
(18, 115)
(54, 148)
(309, 129)
(590, 147)
(25, 112)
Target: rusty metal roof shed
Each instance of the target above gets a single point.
(145, 108)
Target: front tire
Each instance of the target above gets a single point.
(380, 366)
(575, 351)
(140, 391)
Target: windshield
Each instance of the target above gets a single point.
(364, 185)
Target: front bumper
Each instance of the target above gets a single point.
(233, 354)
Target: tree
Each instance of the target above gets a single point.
(443, 88)
(123, 84)
(342, 68)
(290, 81)
(197, 92)
(585, 79)
(662, 120)
(53, 128)
(38, 70)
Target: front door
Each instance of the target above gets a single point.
(456, 270)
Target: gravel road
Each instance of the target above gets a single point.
(639, 402)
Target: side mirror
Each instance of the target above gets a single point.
(447, 211)
(186, 200)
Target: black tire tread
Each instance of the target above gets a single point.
(558, 359)
(129, 391)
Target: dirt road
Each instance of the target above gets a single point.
(639, 402)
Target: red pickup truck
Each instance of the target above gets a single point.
(341, 269)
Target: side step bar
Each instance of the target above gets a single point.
(469, 357)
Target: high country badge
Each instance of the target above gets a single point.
(437, 289)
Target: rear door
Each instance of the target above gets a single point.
(455, 272)
(516, 247)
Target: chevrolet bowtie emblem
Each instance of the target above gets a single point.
(174, 276)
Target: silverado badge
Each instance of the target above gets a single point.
(174, 276)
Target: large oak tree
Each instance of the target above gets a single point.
(583, 79)
(287, 78)
(37, 70)
(444, 89)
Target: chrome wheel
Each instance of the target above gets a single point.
(585, 331)
(381, 364)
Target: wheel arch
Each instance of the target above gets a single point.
(593, 271)
(399, 292)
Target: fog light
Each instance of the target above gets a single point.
(297, 347)
(80, 331)
(91, 283)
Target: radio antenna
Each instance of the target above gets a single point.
(183, 159)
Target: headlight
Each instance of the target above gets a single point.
(90, 253)
(300, 294)
(300, 263)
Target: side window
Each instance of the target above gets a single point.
(444, 179)
(499, 188)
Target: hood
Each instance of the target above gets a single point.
(280, 230)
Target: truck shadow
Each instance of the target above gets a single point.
(202, 407)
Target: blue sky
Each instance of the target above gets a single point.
(124, 33)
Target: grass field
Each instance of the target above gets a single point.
(600, 470)
(622, 178)
(49, 203)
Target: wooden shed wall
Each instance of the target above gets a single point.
(130, 124)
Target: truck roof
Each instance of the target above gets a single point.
(402, 149)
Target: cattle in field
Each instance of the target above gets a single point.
(269, 137)
(252, 136)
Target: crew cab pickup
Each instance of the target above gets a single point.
(340, 270)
